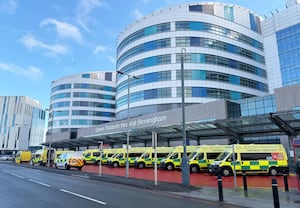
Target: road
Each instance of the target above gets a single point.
(32, 188)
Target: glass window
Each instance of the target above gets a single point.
(195, 41)
(60, 104)
(108, 76)
(228, 13)
(195, 8)
(61, 87)
(60, 113)
(234, 79)
(288, 41)
(199, 92)
(60, 96)
(196, 25)
(221, 61)
(150, 94)
(254, 23)
(151, 30)
(235, 95)
(215, 29)
(85, 76)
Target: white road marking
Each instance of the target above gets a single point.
(17, 175)
(43, 184)
(84, 197)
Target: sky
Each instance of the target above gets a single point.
(45, 40)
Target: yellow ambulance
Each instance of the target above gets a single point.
(251, 158)
(204, 156)
(41, 156)
(23, 156)
(147, 159)
(174, 159)
(119, 159)
(90, 156)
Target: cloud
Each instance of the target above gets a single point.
(111, 59)
(100, 49)
(64, 30)
(9, 6)
(85, 7)
(32, 72)
(137, 14)
(52, 50)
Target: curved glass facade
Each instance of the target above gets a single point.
(82, 100)
(288, 42)
(223, 59)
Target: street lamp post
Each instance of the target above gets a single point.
(51, 132)
(128, 105)
(100, 157)
(184, 164)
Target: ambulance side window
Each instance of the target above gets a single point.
(211, 156)
(174, 156)
(230, 158)
(255, 156)
(96, 154)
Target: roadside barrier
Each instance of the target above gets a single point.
(286, 184)
(275, 193)
(220, 187)
(245, 184)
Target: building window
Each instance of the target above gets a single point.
(60, 96)
(195, 8)
(228, 13)
(61, 87)
(218, 30)
(108, 76)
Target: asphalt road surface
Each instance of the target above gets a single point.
(32, 188)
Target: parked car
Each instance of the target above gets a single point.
(6, 158)
(68, 160)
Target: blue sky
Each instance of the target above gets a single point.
(42, 40)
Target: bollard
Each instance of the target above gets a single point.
(245, 184)
(275, 193)
(220, 187)
(286, 184)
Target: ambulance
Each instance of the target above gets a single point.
(204, 156)
(119, 159)
(69, 160)
(23, 156)
(174, 159)
(147, 159)
(41, 156)
(90, 156)
(251, 158)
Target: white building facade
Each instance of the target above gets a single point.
(281, 33)
(79, 101)
(22, 123)
(223, 58)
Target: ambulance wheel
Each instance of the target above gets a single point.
(226, 171)
(67, 167)
(141, 165)
(273, 171)
(195, 169)
(169, 166)
(115, 164)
